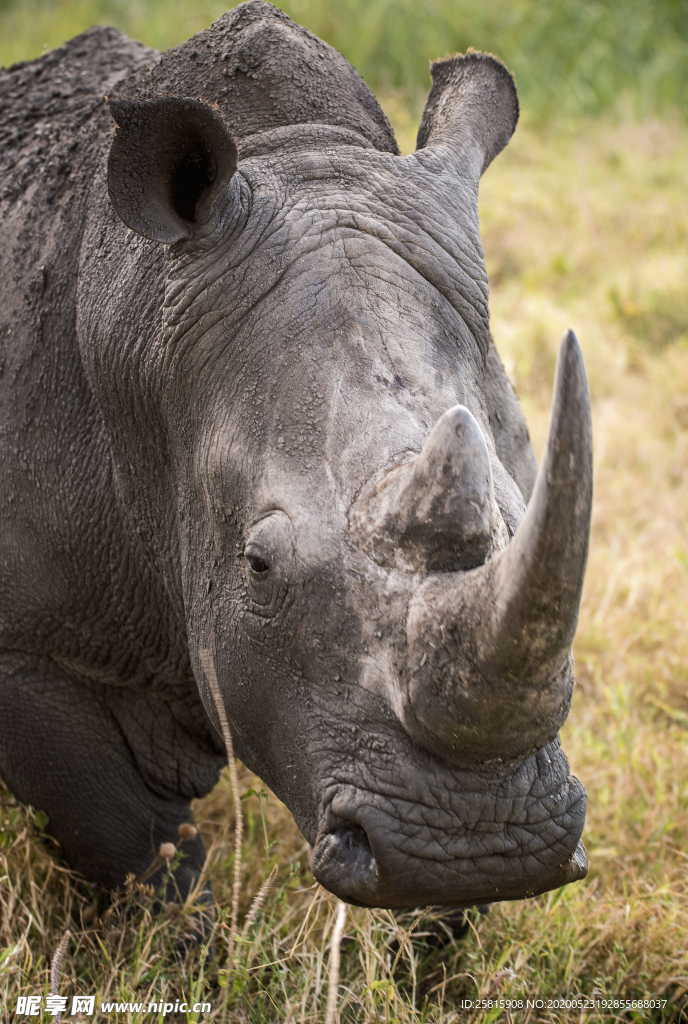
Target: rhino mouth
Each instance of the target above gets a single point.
(398, 851)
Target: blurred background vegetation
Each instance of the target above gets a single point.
(585, 224)
(581, 57)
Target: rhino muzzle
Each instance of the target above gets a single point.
(453, 837)
(343, 862)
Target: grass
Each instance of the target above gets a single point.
(584, 225)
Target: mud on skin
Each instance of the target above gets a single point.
(251, 405)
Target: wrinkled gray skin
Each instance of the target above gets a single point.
(224, 345)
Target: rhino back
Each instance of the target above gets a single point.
(45, 103)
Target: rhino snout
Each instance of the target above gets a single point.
(460, 842)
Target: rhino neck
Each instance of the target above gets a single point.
(300, 137)
(263, 72)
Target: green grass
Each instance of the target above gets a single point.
(584, 225)
(568, 58)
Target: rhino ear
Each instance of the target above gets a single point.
(169, 159)
(471, 111)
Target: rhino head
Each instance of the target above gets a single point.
(389, 598)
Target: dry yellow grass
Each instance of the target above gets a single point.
(588, 230)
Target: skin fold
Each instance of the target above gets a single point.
(234, 322)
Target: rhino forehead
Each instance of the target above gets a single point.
(317, 402)
(339, 366)
(315, 261)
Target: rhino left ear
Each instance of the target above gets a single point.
(471, 111)
(169, 159)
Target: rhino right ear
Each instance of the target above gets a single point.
(169, 159)
(471, 111)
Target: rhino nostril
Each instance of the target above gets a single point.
(353, 842)
(344, 863)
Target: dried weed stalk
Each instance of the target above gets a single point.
(56, 968)
(331, 1015)
(257, 903)
(208, 666)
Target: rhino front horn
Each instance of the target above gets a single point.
(489, 668)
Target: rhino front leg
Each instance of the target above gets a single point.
(62, 751)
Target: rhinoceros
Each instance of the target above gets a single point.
(252, 411)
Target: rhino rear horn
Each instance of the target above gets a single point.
(169, 159)
(472, 110)
(447, 504)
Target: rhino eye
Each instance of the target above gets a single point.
(256, 561)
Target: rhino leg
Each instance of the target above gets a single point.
(62, 751)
